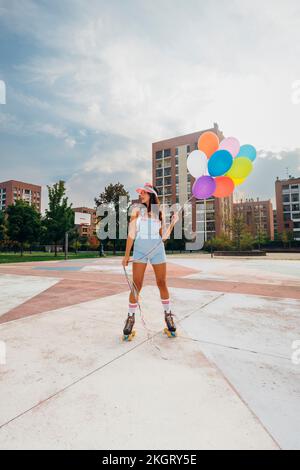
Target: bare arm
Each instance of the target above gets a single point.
(166, 232)
(131, 237)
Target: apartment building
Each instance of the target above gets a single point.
(12, 190)
(258, 216)
(288, 206)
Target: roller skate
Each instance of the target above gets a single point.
(171, 328)
(128, 332)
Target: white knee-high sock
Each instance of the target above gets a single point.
(166, 305)
(132, 308)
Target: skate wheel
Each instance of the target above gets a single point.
(170, 334)
(129, 337)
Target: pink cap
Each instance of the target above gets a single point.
(148, 188)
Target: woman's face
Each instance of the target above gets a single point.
(144, 197)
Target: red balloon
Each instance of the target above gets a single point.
(225, 186)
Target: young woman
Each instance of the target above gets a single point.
(147, 232)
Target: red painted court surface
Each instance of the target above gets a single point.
(232, 373)
(83, 280)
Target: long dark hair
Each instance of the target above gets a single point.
(154, 201)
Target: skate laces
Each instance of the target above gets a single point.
(169, 319)
(130, 320)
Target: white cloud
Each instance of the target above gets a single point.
(143, 71)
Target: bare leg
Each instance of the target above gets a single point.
(160, 271)
(138, 271)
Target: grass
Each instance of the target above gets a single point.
(42, 256)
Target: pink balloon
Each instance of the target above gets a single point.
(231, 144)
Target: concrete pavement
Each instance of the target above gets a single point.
(227, 381)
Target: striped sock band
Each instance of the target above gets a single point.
(166, 305)
(132, 309)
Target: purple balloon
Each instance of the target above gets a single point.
(204, 187)
(231, 144)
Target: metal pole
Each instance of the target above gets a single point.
(66, 244)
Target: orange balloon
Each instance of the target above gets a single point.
(225, 186)
(208, 143)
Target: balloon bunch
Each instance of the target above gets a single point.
(219, 166)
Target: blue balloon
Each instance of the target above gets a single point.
(247, 151)
(219, 163)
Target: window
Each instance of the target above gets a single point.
(295, 207)
(210, 216)
(167, 153)
(210, 226)
(168, 171)
(176, 151)
(287, 216)
(294, 186)
(286, 198)
(295, 197)
(159, 181)
(188, 148)
(159, 172)
(285, 187)
(158, 154)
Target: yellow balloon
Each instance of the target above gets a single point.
(241, 168)
(238, 181)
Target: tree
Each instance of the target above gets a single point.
(287, 237)
(238, 228)
(3, 226)
(59, 218)
(261, 237)
(247, 241)
(222, 243)
(24, 223)
(110, 196)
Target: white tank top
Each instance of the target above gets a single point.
(147, 227)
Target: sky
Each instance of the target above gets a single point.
(90, 85)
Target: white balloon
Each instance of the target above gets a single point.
(197, 163)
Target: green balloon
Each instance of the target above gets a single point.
(241, 168)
